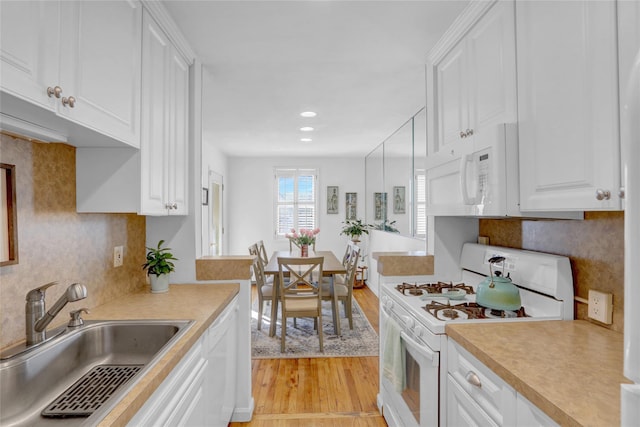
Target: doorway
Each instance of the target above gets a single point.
(213, 229)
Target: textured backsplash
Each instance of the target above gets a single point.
(57, 244)
(595, 247)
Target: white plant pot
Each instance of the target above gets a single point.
(159, 284)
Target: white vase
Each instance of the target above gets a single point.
(159, 284)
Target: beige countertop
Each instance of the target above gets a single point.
(202, 303)
(412, 263)
(571, 370)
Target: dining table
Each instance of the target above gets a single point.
(331, 266)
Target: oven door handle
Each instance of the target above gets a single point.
(423, 350)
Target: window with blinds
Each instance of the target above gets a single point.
(420, 198)
(296, 200)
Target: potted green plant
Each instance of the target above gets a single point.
(354, 228)
(158, 267)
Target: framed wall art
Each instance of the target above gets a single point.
(380, 206)
(332, 199)
(399, 205)
(351, 206)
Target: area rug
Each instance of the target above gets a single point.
(302, 340)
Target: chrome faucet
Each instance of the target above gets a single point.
(36, 318)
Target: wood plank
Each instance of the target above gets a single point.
(318, 392)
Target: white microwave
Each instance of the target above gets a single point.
(475, 183)
(481, 182)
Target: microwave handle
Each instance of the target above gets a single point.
(464, 162)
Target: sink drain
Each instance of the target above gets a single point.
(87, 394)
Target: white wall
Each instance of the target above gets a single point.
(250, 193)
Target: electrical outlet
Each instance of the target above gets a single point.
(118, 254)
(600, 306)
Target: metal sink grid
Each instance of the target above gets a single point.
(87, 394)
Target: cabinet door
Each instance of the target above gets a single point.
(29, 50)
(528, 415)
(492, 74)
(178, 138)
(155, 122)
(462, 411)
(567, 105)
(100, 66)
(451, 97)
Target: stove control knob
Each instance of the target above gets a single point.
(409, 322)
(418, 330)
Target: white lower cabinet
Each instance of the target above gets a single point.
(180, 398)
(200, 391)
(476, 396)
(530, 416)
(223, 366)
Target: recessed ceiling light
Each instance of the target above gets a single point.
(305, 139)
(308, 114)
(306, 129)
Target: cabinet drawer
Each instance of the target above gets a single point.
(492, 394)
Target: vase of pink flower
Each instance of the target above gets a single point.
(303, 239)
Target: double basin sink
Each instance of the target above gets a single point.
(35, 378)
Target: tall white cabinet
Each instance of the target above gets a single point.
(164, 146)
(78, 60)
(568, 105)
(154, 179)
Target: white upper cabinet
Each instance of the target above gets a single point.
(79, 60)
(30, 50)
(154, 179)
(100, 66)
(471, 81)
(165, 148)
(569, 143)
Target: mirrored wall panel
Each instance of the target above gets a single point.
(395, 180)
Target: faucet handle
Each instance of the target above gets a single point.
(37, 294)
(76, 317)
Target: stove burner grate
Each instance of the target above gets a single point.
(472, 310)
(431, 288)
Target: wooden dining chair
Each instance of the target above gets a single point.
(263, 287)
(262, 252)
(342, 285)
(300, 296)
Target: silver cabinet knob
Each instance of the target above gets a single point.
(70, 101)
(171, 206)
(463, 134)
(603, 194)
(621, 192)
(174, 206)
(473, 379)
(469, 132)
(54, 91)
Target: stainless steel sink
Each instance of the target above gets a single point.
(33, 379)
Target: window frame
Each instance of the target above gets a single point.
(296, 173)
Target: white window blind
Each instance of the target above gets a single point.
(296, 200)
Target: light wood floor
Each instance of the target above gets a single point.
(318, 392)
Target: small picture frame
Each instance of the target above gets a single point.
(380, 206)
(332, 199)
(205, 196)
(399, 205)
(351, 206)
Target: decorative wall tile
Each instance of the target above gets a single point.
(56, 243)
(595, 247)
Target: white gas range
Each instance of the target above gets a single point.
(413, 318)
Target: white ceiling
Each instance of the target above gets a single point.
(358, 64)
